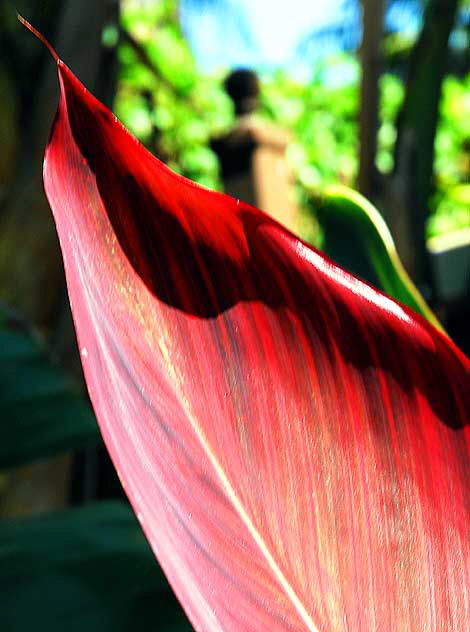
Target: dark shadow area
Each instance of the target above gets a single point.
(193, 273)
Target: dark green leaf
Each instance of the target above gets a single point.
(83, 569)
(42, 412)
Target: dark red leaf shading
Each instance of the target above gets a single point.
(294, 443)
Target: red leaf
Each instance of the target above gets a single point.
(294, 443)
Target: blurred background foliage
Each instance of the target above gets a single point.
(162, 97)
(173, 108)
(388, 113)
(450, 203)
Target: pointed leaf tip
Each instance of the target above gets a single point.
(288, 436)
(39, 35)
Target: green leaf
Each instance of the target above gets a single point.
(357, 238)
(42, 412)
(83, 569)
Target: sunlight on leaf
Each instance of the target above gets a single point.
(295, 444)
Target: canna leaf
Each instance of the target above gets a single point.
(357, 238)
(295, 444)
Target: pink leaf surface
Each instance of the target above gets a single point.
(294, 443)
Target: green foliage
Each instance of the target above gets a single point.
(452, 165)
(172, 108)
(323, 120)
(83, 569)
(391, 97)
(43, 412)
(161, 96)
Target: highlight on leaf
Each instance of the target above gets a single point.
(294, 443)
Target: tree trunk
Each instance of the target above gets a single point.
(411, 181)
(371, 62)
